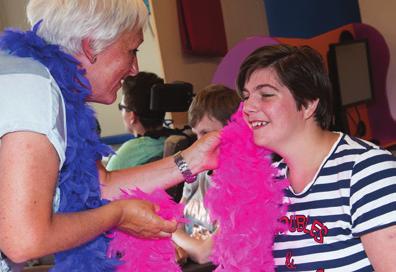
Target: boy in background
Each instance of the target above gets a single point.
(210, 111)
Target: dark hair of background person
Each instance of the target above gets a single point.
(216, 101)
(300, 69)
(136, 91)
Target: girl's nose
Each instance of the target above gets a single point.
(249, 106)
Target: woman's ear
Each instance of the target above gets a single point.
(88, 50)
(310, 108)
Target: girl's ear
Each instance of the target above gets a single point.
(88, 50)
(310, 108)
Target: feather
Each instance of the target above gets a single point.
(142, 255)
(246, 200)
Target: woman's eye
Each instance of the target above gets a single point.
(134, 52)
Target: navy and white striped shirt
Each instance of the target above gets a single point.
(353, 193)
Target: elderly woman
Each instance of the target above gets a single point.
(342, 192)
(77, 52)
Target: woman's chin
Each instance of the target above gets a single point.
(108, 100)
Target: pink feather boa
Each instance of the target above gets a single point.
(142, 255)
(246, 200)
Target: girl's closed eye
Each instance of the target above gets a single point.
(244, 96)
(266, 94)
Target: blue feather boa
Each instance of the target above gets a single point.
(78, 180)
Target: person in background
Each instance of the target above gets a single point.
(145, 125)
(342, 193)
(53, 185)
(209, 111)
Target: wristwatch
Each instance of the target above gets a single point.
(183, 168)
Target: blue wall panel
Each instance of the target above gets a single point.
(309, 18)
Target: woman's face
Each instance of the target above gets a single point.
(112, 65)
(270, 110)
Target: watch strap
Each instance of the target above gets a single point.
(184, 168)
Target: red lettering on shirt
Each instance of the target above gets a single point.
(299, 223)
(289, 260)
(318, 231)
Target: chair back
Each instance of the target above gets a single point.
(172, 145)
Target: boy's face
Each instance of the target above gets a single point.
(206, 125)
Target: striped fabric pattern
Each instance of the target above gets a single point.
(353, 193)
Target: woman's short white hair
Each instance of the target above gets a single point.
(67, 22)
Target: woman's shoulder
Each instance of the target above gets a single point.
(11, 65)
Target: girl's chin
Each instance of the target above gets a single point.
(259, 141)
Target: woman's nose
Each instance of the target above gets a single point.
(134, 70)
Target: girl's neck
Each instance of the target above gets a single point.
(306, 156)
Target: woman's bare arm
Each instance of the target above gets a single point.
(202, 155)
(29, 170)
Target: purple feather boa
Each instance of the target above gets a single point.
(246, 200)
(78, 181)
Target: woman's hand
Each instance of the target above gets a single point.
(202, 155)
(139, 218)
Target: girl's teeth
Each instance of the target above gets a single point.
(258, 124)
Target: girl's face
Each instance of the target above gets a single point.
(271, 110)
